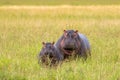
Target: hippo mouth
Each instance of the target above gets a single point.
(68, 51)
(51, 56)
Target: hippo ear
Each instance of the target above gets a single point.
(53, 43)
(75, 34)
(43, 43)
(76, 31)
(65, 31)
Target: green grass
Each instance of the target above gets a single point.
(23, 29)
(59, 2)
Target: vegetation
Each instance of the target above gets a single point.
(23, 29)
(59, 2)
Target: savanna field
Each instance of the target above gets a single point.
(24, 28)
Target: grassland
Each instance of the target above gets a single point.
(23, 29)
(59, 2)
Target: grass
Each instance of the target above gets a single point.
(23, 29)
(59, 2)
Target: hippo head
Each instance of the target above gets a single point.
(48, 50)
(69, 41)
(48, 54)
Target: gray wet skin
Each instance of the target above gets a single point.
(72, 41)
(49, 53)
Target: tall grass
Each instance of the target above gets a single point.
(59, 2)
(23, 29)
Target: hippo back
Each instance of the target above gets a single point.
(85, 46)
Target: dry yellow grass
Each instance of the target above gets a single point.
(24, 28)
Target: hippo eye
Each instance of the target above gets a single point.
(52, 47)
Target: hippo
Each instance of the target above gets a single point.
(49, 55)
(73, 43)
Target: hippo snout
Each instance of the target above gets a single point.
(71, 44)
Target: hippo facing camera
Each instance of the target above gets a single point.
(49, 55)
(73, 42)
